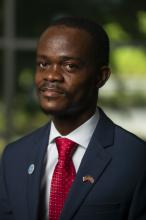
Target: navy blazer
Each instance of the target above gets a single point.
(115, 158)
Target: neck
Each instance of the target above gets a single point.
(67, 124)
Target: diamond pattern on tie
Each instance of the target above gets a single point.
(63, 176)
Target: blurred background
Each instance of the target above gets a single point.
(21, 22)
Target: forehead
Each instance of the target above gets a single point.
(65, 38)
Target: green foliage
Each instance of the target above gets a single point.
(142, 21)
(25, 79)
(116, 32)
(129, 60)
(2, 119)
(25, 122)
(121, 100)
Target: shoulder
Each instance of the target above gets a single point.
(125, 146)
(25, 143)
(120, 135)
(126, 137)
(129, 150)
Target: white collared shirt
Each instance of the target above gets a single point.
(81, 136)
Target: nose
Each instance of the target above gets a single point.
(54, 73)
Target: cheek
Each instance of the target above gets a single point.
(84, 90)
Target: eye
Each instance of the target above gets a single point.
(71, 67)
(42, 65)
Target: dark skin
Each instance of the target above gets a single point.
(67, 79)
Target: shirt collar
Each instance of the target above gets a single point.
(80, 135)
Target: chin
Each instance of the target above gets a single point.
(52, 110)
(62, 111)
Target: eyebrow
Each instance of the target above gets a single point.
(63, 58)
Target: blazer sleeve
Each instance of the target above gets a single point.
(5, 207)
(138, 205)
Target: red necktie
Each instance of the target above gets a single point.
(63, 177)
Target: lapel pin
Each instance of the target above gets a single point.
(31, 169)
(88, 179)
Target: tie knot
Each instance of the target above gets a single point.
(66, 148)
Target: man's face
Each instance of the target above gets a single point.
(66, 79)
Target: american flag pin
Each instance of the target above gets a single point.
(88, 179)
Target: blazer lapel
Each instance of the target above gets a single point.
(35, 169)
(95, 161)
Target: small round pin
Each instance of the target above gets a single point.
(31, 169)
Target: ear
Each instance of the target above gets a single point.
(103, 75)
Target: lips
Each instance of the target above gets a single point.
(51, 92)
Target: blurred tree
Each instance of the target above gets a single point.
(124, 12)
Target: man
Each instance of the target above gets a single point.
(104, 176)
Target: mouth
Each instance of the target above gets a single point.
(51, 92)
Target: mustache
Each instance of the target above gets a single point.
(47, 85)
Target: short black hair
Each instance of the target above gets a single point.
(98, 34)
